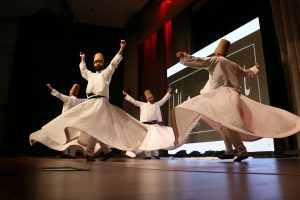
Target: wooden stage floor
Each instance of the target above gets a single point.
(120, 178)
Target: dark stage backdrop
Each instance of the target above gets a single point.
(47, 51)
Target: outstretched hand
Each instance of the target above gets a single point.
(50, 87)
(124, 94)
(257, 66)
(122, 44)
(170, 90)
(181, 54)
(122, 47)
(82, 55)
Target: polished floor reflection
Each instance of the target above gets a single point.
(120, 178)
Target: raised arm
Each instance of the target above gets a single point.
(82, 56)
(50, 87)
(83, 69)
(122, 47)
(108, 72)
(194, 62)
(54, 92)
(132, 100)
(166, 97)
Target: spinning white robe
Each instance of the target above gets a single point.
(96, 117)
(221, 104)
(79, 143)
(158, 136)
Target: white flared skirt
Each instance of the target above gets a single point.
(158, 137)
(225, 107)
(79, 143)
(99, 119)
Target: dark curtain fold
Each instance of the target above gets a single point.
(287, 22)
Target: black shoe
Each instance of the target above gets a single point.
(71, 157)
(147, 158)
(106, 156)
(226, 156)
(241, 157)
(156, 157)
(90, 159)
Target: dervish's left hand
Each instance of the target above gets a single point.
(181, 54)
(50, 87)
(170, 90)
(122, 47)
(257, 66)
(82, 55)
(122, 44)
(125, 94)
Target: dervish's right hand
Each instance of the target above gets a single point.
(170, 90)
(122, 44)
(124, 93)
(82, 55)
(257, 66)
(50, 87)
(181, 54)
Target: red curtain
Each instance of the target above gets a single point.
(149, 63)
(156, 58)
(168, 41)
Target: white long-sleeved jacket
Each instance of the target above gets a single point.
(98, 83)
(222, 72)
(148, 111)
(68, 101)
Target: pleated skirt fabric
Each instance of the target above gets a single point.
(225, 107)
(99, 119)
